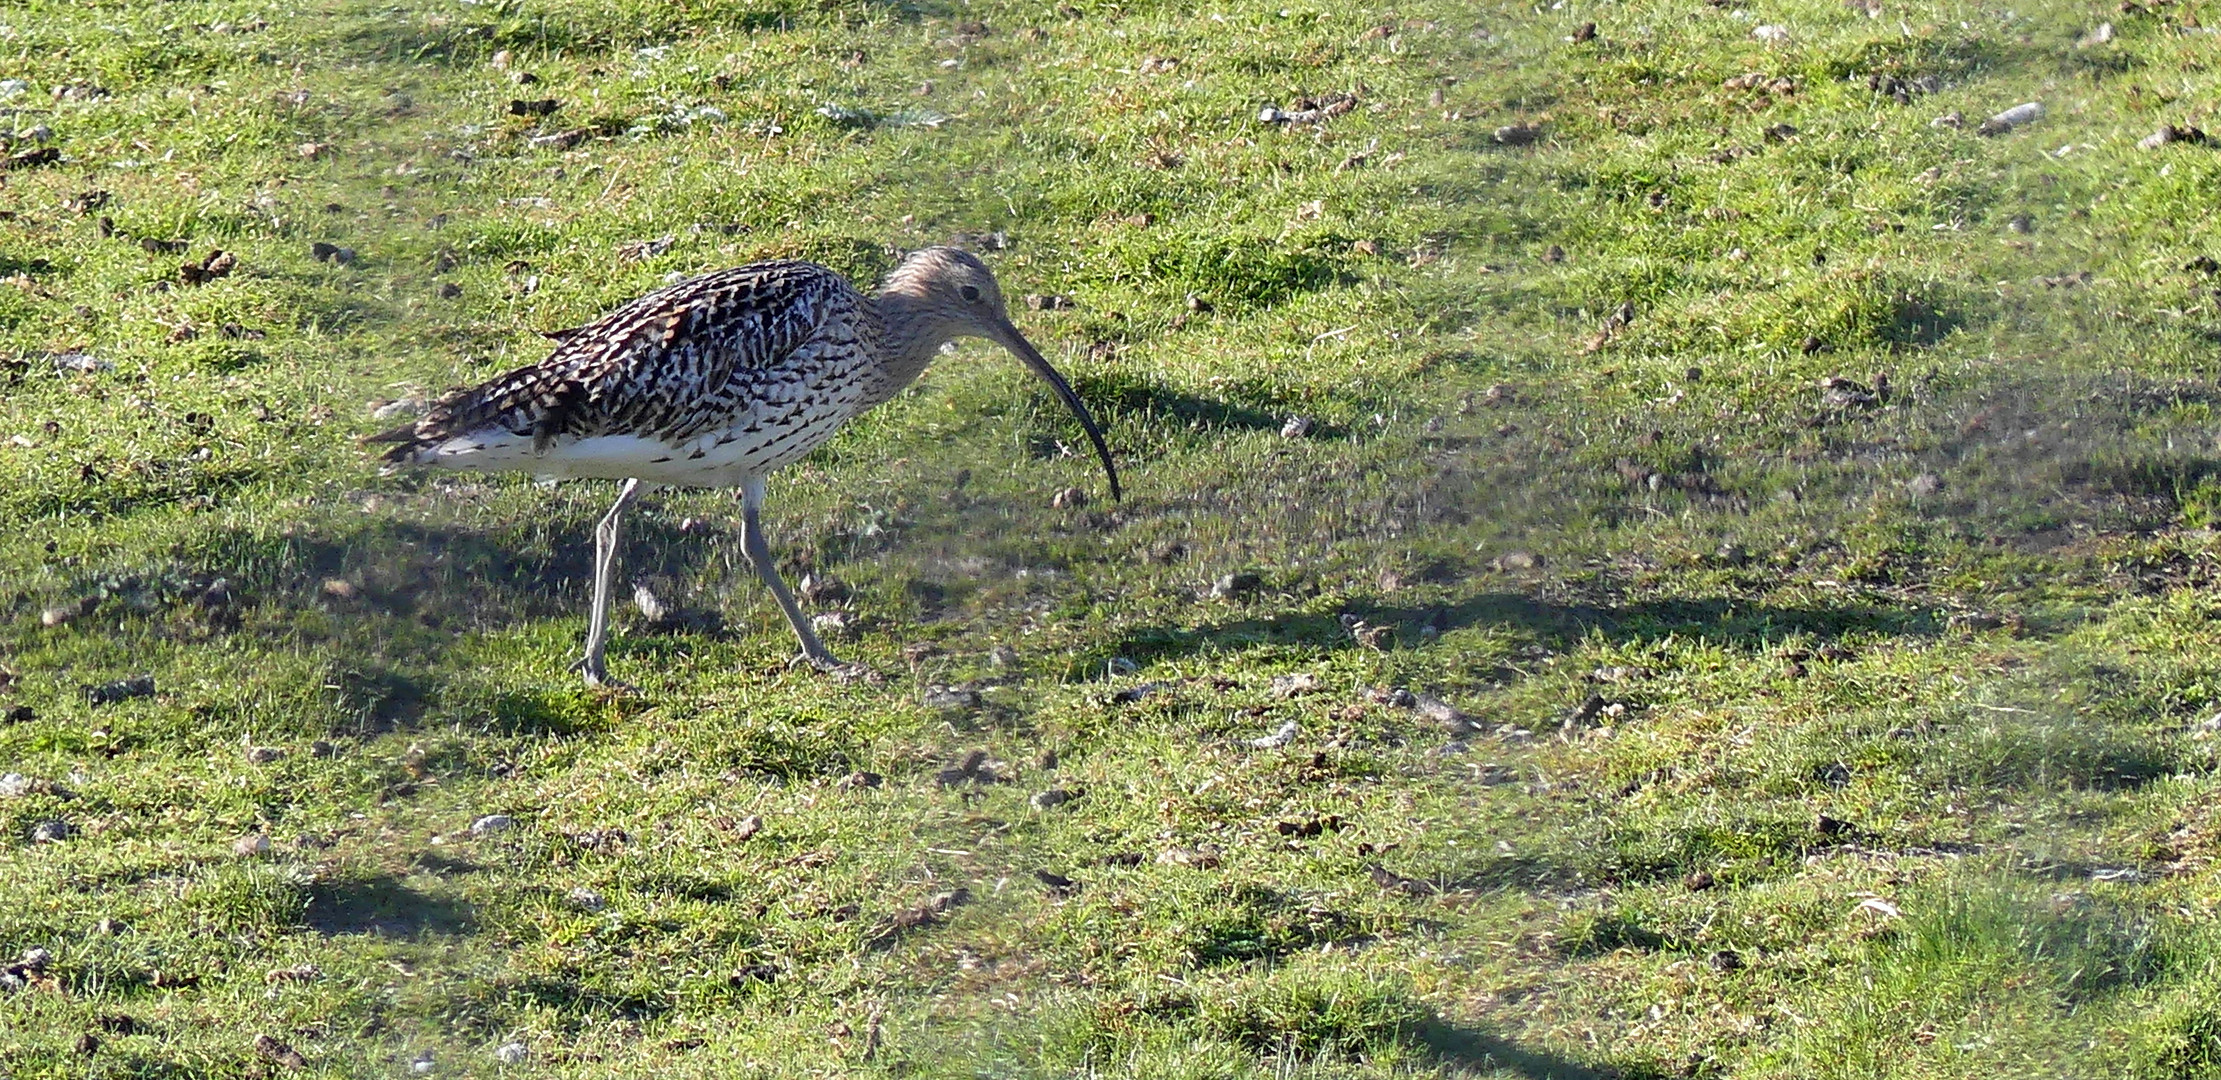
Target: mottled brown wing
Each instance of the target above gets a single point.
(664, 365)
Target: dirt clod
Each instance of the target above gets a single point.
(108, 693)
(1391, 881)
(278, 1053)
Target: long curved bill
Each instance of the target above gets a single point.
(1024, 350)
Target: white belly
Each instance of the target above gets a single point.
(713, 459)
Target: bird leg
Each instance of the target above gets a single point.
(605, 565)
(814, 651)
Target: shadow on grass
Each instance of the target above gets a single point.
(1720, 622)
(381, 907)
(1467, 1048)
(1118, 393)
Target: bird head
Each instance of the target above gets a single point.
(946, 293)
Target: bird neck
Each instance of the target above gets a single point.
(910, 333)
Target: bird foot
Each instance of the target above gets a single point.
(597, 677)
(845, 673)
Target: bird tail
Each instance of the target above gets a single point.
(408, 441)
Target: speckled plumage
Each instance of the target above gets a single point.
(730, 374)
(716, 382)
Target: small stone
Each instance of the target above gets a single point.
(51, 832)
(1771, 34)
(1835, 774)
(423, 1064)
(15, 785)
(1278, 739)
(322, 251)
(1051, 798)
(1517, 134)
(1297, 427)
(952, 697)
(2098, 35)
(1455, 721)
(56, 617)
(585, 899)
(248, 847)
(511, 1053)
(345, 256)
(1518, 560)
(407, 408)
(491, 824)
(1235, 586)
(341, 589)
(2018, 116)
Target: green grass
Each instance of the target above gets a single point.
(1817, 734)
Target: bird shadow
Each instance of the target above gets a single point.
(382, 906)
(1124, 392)
(1472, 1050)
(1720, 621)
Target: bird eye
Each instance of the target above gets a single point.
(969, 292)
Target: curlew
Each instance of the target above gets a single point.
(717, 381)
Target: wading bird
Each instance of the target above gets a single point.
(716, 382)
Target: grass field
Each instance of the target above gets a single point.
(1743, 604)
